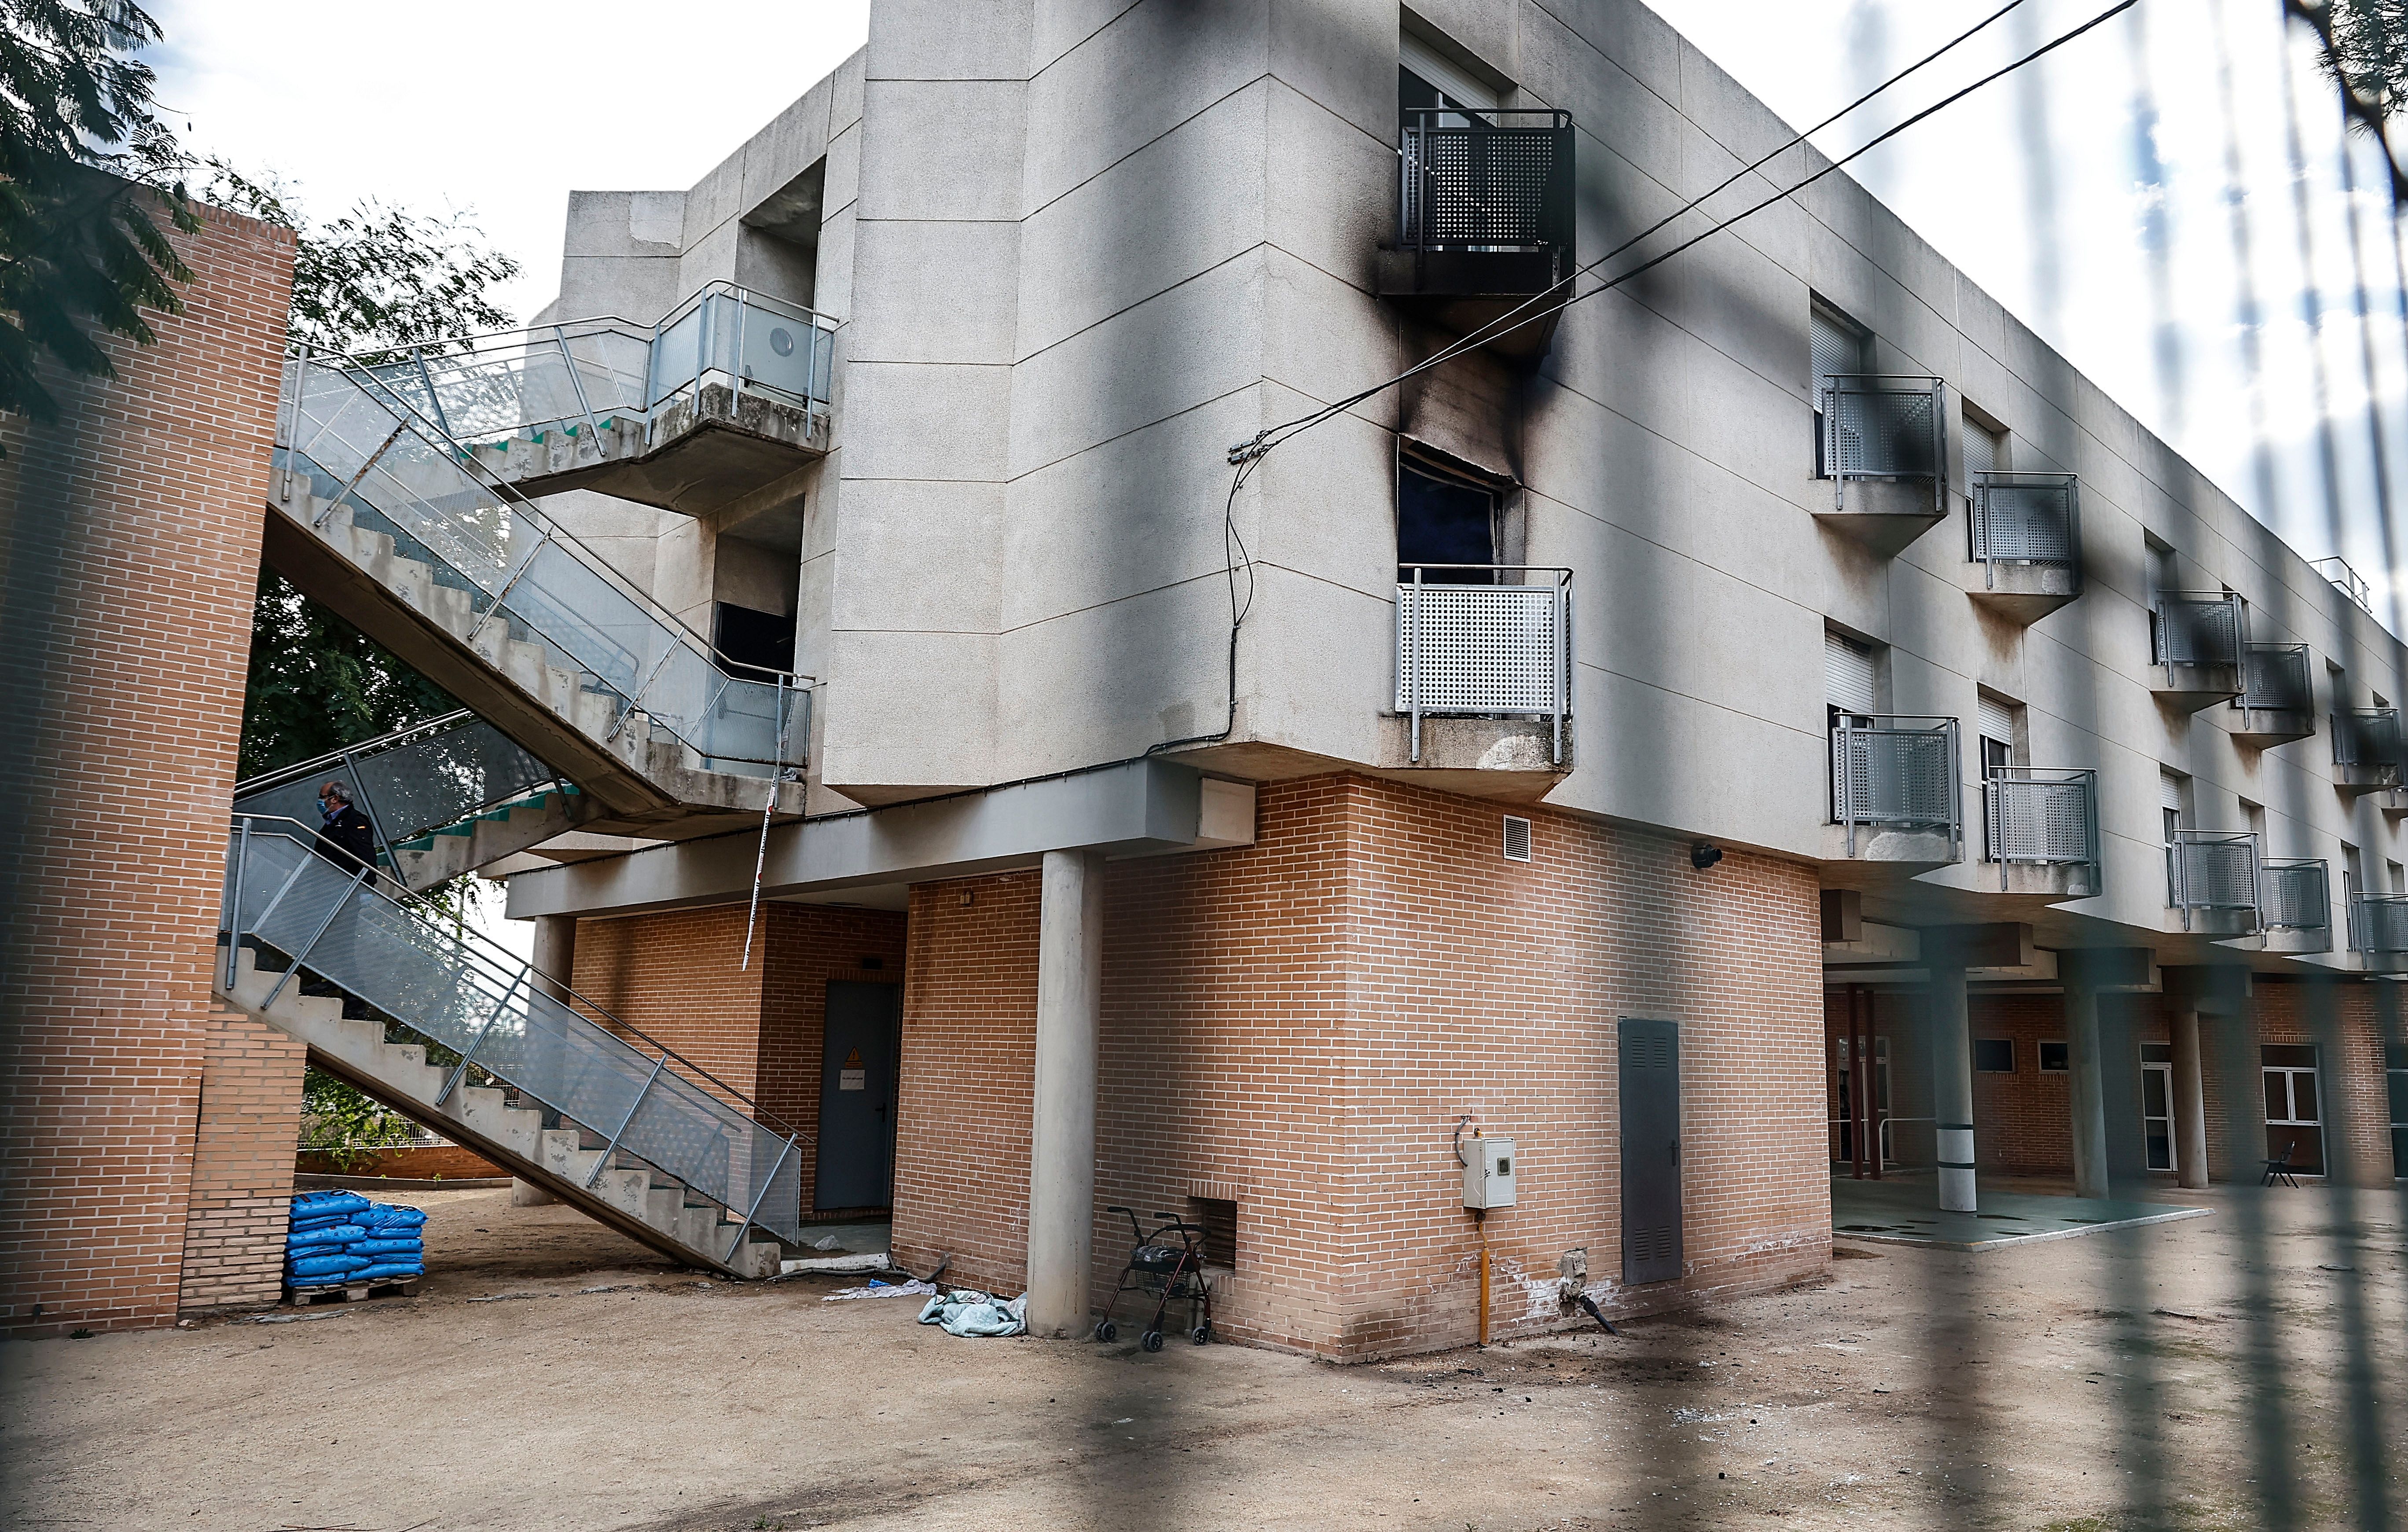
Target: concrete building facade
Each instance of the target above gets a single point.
(1256, 787)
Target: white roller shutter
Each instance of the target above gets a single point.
(1835, 346)
(1456, 83)
(1981, 448)
(1995, 719)
(1847, 673)
(2170, 792)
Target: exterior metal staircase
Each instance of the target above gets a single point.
(508, 1061)
(446, 797)
(727, 395)
(381, 515)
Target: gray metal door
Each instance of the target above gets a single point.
(1651, 1150)
(857, 1158)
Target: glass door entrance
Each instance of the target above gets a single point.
(2157, 1104)
(2295, 1133)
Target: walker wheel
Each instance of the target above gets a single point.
(1107, 1331)
(1202, 1334)
(1151, 1340)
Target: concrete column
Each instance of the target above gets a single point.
(1062, 1135)
(2189, 1100)
(2082, 1058)
(555, 953)
(1951, 1083)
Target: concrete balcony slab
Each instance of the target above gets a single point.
(2023, 594)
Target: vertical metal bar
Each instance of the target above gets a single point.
(577, 383)
(1855, 1089)
(319, 521)
(736, 368)
(1414, 695)
(633, 1107)
(241, 871)
(745, 1227)
(478, 1041)
(434, 400)
(332, 910)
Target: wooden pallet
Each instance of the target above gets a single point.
(399, 1287)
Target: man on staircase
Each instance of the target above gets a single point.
(346, 837)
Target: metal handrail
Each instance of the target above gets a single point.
(1415, 695)
(2367, 738)
(1852, 737)
(2345, 579)
(549, 533)
(2188, 881)
(2162, 641)
(1983, 524)
(1550, 220)
(2364, 911)
(498, 959)
(407, 734)
(2263, 666)
(2276, 899)
(2009, 791)
(1840, 426)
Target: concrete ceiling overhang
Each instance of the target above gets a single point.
(1136, 808)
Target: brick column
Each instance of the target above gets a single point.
(242, 1165)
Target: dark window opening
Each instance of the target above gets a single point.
(1220, 1221)
(1994, 1055)
(752, 637)
(2052, 1059)
(1445, 521)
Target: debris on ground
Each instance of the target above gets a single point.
(876, 1288)
(835, 1265)
(966, 1311)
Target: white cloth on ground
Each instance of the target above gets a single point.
(966, 1311)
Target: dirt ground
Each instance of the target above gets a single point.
(2245, 1371)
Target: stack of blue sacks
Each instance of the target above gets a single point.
(341, 1236)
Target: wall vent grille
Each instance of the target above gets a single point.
(1518, 840)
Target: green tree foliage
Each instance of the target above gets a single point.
(377, 277)
(318, 684)
(338, 1121)
(2370, 51)
(84, 168)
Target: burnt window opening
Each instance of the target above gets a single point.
(1444, 521)
(753, 638)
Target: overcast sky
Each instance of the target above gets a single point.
(2089, 194)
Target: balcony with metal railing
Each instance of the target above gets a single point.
(1885, 448)
(2199, 640)
(2211, 880)
(2378, 930)
(2041, 826)
(1485, 213)
(2366, 750)
(1485, 674)
(727, 394)
(2278, 700)
(2025, 533)
(2294, 905)
(1895, 792)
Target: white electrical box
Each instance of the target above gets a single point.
(1488, 1173)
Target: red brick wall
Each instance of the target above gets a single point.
(675, 975)
(1297, 1026)
(242, 1163)
(130, 552)
(2351, 1079)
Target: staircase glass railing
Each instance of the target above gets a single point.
(591, 374)
(368, 448)
(454, 986)
(429, 776)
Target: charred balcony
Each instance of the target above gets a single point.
(1484, 220)
(2277, 700)
(2025, 530)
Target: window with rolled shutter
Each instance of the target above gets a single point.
(1847, 673)
(1836, 345)
(1981, 453)
(1996, 719)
